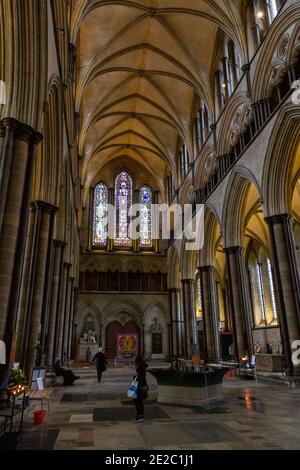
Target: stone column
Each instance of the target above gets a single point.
(287, 282)
(57, 263)
(190, 323)
(43, 231)
(71, 321)
(136, 246)
(210, 314)
(25, 280)
(59, 331)
(47, 287)
(65, 312)
(240, 301)
(175, 322)
(143, 339)
(68, 319)
(16, 168)
(155, 241)
(111, 201)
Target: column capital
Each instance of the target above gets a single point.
(59, 243)
(234, 250)
(46, 207)
(21, 131)
(206, 269)
(173, 290)
(187, 281)
(280, 219)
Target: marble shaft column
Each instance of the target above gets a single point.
(33, 317)
(48, 288)
(25, 281)
(210, 314)
(175, 322)
(62, 312)
(190, 325)
(58, 248)
(286, 273)
(240, 301)
(69, 333)
(19, 142)
(73, 344)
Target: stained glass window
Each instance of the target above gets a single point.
(123, 201)
(145, 217)
(100, 215)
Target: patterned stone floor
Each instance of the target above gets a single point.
(92, 416)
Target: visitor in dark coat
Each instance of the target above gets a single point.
(142, 390)
(101, 362)
(67, 374)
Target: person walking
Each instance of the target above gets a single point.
(142, 388)
(101, 362)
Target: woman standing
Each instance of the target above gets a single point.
(142, 389)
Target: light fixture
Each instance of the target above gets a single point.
(260, 15)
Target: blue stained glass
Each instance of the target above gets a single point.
(123, 201)
(100, 215)
(145, 217)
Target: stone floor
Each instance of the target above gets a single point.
(95, 416)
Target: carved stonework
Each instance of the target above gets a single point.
(210, 166)
(240, 122)
(283, 47)
(156, 327)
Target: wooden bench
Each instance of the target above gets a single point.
(41, 395)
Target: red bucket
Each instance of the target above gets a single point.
(40, 416)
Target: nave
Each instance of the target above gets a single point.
(89, 416)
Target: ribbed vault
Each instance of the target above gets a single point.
(141, 65)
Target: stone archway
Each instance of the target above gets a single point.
(112, 331)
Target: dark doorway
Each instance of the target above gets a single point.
(111, 332)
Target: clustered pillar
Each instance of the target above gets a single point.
(287, 283)
(18, 142)
(190, 323)
(240, 301)
(210, 314)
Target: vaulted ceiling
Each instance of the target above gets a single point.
(141, 64)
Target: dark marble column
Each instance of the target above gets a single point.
(62, 312)
(175, 323)
(33, 315)
(74, 326)
(58, 254)
(190, 325)
(25, 280)
(210, 314)
(47, 287)
(240, 301)
(16, 167)
(68, 319)
(66, 322)
(286, 271)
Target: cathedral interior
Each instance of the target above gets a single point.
(186, 103)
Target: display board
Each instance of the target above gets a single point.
(127, 347)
